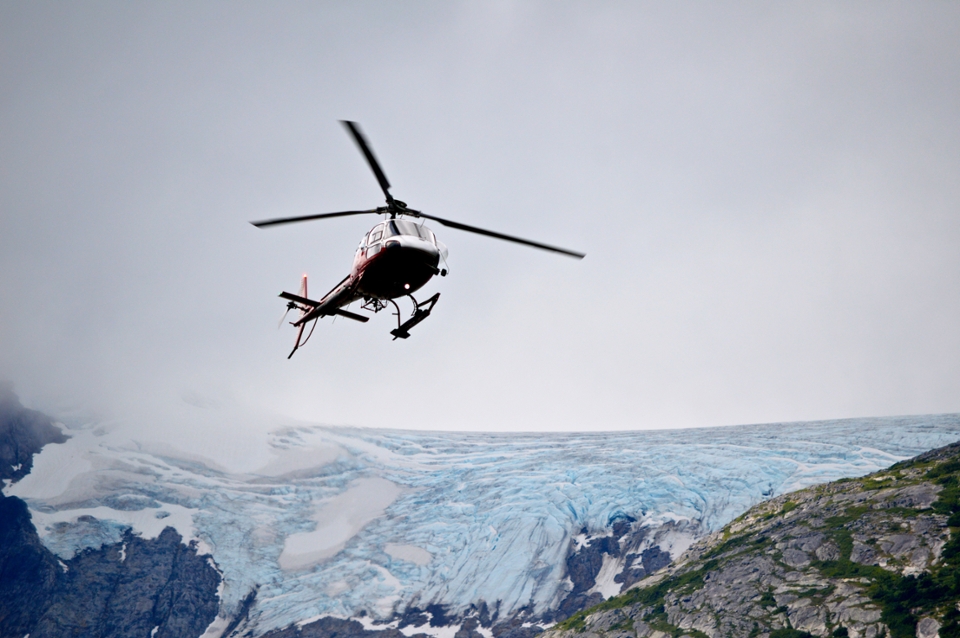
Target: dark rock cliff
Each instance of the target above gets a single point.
(139, 587)
(624, 542)
(126, 589)
(23, 433)
(29, 573)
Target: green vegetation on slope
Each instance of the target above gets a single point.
(901, 599)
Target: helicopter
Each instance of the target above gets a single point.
(395, 258)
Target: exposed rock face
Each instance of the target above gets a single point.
(23, 433)
(158, 587)
(869, 557)
(29, 573)
(138, 587)
(630, 552)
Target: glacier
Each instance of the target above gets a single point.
(368, 524)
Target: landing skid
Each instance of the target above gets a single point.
(421, 310)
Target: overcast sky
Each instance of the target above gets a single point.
(768, 195)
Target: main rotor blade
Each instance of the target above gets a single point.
(305, 218)
(361, 141)
(490, 233)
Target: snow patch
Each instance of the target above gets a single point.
(216, 628)
(410, 553)
(297, 460)
(123, 553)
(54, 468)
(448, 631)
(676, 543)
(336, 588)
(307, 621)
(371, 625)
(339, 520)
(604, 583)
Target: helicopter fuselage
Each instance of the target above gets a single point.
(396, 258)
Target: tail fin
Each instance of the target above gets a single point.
(303, 310)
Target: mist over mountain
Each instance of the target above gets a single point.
(350, 531)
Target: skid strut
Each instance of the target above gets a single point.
(421, 310)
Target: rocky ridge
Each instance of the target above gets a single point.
(867, 557)
(159, 587)
(23, 433)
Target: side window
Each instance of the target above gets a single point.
(375, 234)
(373, 250)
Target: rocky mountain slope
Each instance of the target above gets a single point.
(158, 587)
(140, 587)
(866, 557)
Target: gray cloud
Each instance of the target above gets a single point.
(767, 194)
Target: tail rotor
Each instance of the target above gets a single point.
(292, 305)
(303, 310)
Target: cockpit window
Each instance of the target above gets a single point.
(404, 227)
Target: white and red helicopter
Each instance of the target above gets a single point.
(395, 259)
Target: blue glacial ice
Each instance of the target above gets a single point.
(351, 522)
